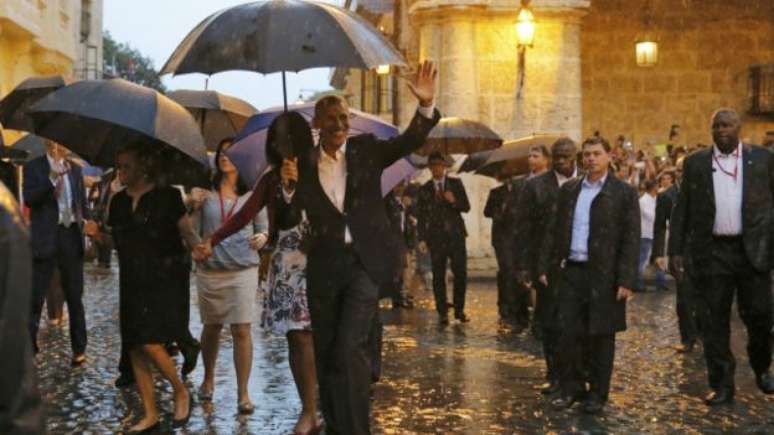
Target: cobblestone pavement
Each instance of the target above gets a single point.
(477, 378)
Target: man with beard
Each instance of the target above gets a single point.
(721, 234)
(533, 209)
(590, 257)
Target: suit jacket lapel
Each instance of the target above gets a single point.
(349, 157)
(707, 174)
(746, 173)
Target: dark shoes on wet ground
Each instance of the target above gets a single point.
(124, 381)
(593, 404)
(687, 347)
(720, 397)
(550, 388)
(765, 382)
(78, 360)
(462, 317)
(148, 430)
(443, 319)
(565, 402)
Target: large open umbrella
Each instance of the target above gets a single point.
(460, 136)
(93, 118)
(14, 106)
(219, 116)
(249, 151)
(508, 160)
(281, 35)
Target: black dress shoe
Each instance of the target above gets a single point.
(564, 402)
(551, 388)
(443, 319)
(686, 347)
(147, 430)
(720, 397)
(190, 355)
(124, 381)
(765, 382)
(178, 423)
(462, 318)
(593, 405)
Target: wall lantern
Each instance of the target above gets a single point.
(383, 70)
(647, 53)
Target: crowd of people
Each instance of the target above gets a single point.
(573, 239)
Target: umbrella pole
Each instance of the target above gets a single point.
(284, 92)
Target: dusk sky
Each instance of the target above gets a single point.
(155, 28)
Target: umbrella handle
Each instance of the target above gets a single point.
(284, 92)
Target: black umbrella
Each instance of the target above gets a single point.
(460, 136)
(14, 106)
(219, 116)
(508, 160)
(281, 35)
(93, 118)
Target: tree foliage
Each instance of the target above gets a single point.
(128, 63)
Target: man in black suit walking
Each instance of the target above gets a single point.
(441, 202)
(352, 252)
(722, 235)
(55, 193)
(398, 216)
(591, 257)
(532, 216)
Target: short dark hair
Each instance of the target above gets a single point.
(597, 140)
(328, 101)
(147, 156)
(241, 187)
(668, 173)
(650, 184)
(300, 137)
(562, 142)
(542, 149)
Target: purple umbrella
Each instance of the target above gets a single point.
(249, 151)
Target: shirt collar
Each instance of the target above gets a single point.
(342, 151)
(719, 154)
(561, 176)
(599, 183)
(55, 163)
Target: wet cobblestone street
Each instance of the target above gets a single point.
(478, 378)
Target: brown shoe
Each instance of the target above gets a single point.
(78, 360)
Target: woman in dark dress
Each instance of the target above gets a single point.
(149, 224)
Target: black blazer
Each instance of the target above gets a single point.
(40, 197)
(501, 208)
(665, 201)
(21, 410)
(614, 247)
(693, 216)
(364, 211)
(8, 177)
(438, 219)
(532, 214)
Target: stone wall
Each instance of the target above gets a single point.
(705, 48)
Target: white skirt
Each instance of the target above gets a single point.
(227, 296)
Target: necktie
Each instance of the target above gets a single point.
(61, 193)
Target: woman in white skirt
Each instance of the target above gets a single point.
(228, 280)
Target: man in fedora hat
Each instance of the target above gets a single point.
(441, 203)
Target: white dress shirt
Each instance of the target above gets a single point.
(332, 172)
(728, 191)
(64, 199)
(581, 219)
(647, 215)
(561, 179)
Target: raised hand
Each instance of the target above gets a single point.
(423, 85)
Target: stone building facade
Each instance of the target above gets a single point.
(580, 75)
(43, 37)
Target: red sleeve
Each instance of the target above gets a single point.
(258, 199)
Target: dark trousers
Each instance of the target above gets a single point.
(506, 280)
(546, 319)
(729, 273)
(343, 302)
(584, 357)
(452, 250)
(68, 258)
(688, 319)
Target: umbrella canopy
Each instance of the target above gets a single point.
(508, 160)
(95, 117)
(248, 152)
(33, 146)
(219, 116)
(460, 136)
(281, 35)
(14, 107)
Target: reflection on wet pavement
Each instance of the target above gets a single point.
(479, 378)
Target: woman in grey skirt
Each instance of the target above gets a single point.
(228, 281)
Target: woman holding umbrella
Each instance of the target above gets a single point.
(149, 223)
(286, 311)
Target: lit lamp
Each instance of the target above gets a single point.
(383, 70)
(647, 53)
(525, 32)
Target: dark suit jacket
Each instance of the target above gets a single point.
(364, 212)
(397, 213)
(40, 197)
(8, 177)
(21, 410)
(501, 208)
(532, 214)
(614, 247)
(438, 219)
(665, 201)
(693, 216)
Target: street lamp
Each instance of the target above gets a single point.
(525, 33)
(647, 53)
(383, 70)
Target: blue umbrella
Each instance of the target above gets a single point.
(249, 150)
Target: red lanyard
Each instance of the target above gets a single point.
(736, 164)
(223, 216)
